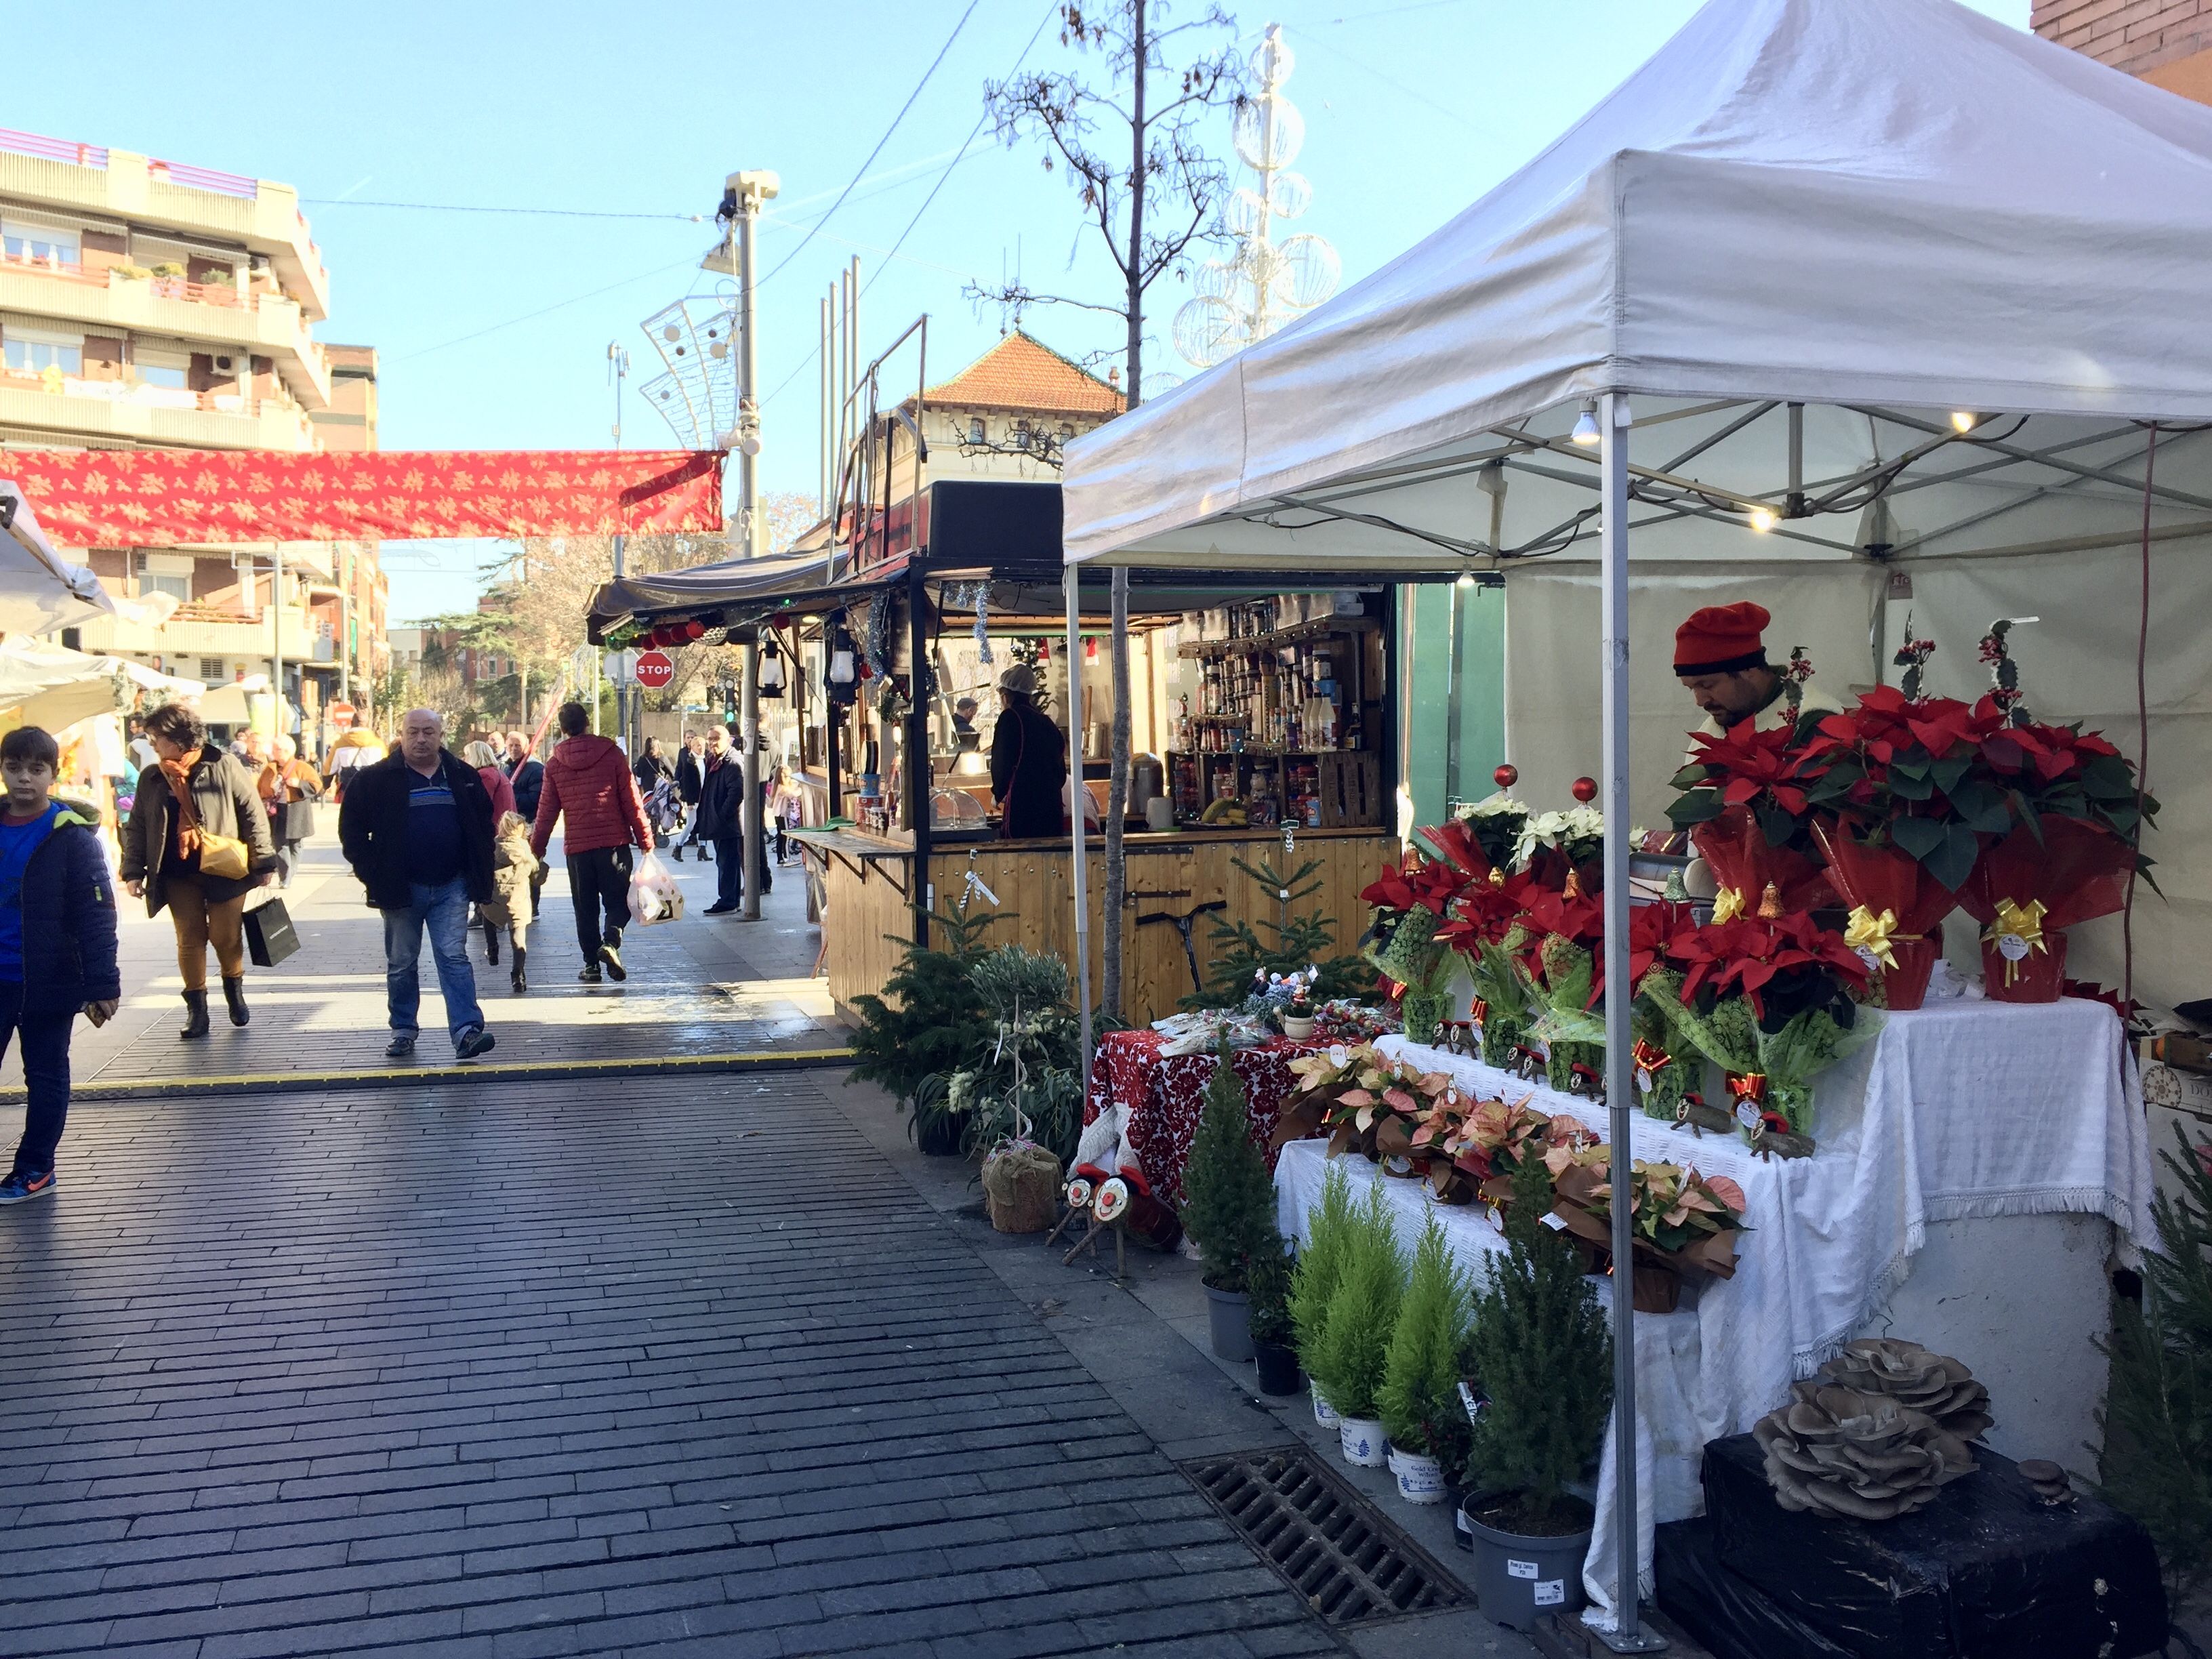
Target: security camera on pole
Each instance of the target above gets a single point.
(744, 195)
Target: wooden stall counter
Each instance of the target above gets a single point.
(1189, 877)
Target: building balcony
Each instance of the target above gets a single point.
(64, 408)
(115, 184)
(202, 631)
(210, 314)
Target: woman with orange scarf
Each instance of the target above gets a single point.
(193, 793)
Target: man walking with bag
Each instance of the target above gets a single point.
(589, 780)
(416, 827)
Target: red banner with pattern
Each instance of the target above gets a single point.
(142, 497)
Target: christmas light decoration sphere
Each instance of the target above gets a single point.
(1585, 790)
(694, 630)
(1506, 776)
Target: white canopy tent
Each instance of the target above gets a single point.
(1769, 267)
(52, 687)
(40, 591)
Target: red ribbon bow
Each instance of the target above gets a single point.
(1747, 1086)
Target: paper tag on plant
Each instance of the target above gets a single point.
(1867, 956)
(1472, 1405)
(2012, 947)
(1520, 1568)
(1643, 1081)
(1551, 1592)
(1557, 1223)
(1747, 1113)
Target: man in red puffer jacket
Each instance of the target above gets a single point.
(589, 779)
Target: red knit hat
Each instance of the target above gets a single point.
(1721, 638)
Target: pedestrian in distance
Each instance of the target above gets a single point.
(527, 772)
(488, 762)
(589, 780)
(416, 827)
(650, 767)
(514, 905)
(691, 773)
(289, 783)
(784, 808)
(198, 804)
(56, 946)
(722, 818)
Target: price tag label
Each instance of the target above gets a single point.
(1867, 956)
(1747, 1113)
(1520, 1568)
(2012, 947)
(1472, 1407)
(1555, 1223)
(1643, 1081)
(1551, 1592)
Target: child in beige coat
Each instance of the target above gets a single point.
(513, 867)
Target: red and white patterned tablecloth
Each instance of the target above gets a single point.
(1165, 1095)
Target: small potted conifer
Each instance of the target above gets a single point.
(1313, 1280)
(1229, 1209)
(1273, 1333)
(1363, 1312)
(1419, 1397)
(1542, 1348)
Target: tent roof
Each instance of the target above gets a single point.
(40, 591)
(1837, 202)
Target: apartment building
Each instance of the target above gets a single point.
(149, 304)
(2167, 43)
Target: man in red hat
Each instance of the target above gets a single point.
(1720, 657)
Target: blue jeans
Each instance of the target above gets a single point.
(445, 911)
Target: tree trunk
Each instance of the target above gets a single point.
(1117, 772)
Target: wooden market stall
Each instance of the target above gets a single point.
(1256, 714)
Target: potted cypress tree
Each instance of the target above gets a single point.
(1229, 1208)
(1363, 1312)
(1273, 1333)
(1419, 1397)
(1544, 1353)
(1313, 1280)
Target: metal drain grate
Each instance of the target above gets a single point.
(1351, 1565)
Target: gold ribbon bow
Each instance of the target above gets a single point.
(1728, 904)
(2021, 921)
(1865, 931)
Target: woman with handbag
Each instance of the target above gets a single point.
(286, 783)
(197, 842)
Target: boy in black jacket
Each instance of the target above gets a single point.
(57, 945)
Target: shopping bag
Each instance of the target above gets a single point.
(653, 895)
(268, 935)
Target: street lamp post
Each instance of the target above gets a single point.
(617, 367)
(744, 195)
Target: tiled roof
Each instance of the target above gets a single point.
(1019, 373)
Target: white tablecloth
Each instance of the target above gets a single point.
(1969, 1109)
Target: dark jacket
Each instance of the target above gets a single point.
(528, 779)
(1029, 765)
(69, 920)
(372, 829)
(649, 770)
(689, 767)
(722, 798)
(227, 797)
(589, 782)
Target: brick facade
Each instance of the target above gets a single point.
(2142, 37)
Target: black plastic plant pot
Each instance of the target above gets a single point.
(1517, 1578)
(1229, 1323)
(938, 1137)
(1278, 1368)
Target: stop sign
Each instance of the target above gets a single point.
(656, 670)
(342, 716)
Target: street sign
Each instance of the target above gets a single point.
(341, 716)
(622, 665)
(656, 670)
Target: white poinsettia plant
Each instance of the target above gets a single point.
(1579, 832)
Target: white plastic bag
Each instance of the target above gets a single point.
(653, 895)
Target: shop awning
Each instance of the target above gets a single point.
(51, 687)
(139, 497)
(738, 590)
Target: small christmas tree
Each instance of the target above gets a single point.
(2157, 1418)
(1363, 1312)
(930, 1018)
(1267, 1282)
(1419, 1397)
(1546, 1360)
(1229, 1198)
(1320, 1265)
(1299, 939)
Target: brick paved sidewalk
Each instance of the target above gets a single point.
(702, 985)
(661, 1367)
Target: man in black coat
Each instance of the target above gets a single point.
(416, 827)
(527, 773)
(1029, 761)
(722, 819)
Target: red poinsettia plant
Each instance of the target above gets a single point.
(1909, 771)
(1753, 955)
(1745, 801)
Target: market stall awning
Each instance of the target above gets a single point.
(737, 591)
(52, 687)
(136, 497)
(1847, 202)
(40, 589)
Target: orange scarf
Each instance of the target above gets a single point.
(178, 774)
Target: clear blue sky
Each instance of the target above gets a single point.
(494, 327)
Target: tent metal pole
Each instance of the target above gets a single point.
(1626, 1635)
(1081, 882)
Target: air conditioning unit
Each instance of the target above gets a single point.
(221, 365)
